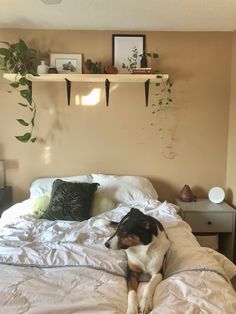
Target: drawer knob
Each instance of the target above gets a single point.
(209, 222)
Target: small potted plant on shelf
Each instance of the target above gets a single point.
(18, 58)
(134, 59)
(144, 58)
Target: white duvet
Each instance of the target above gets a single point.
(64, 267)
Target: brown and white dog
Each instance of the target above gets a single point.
(146, 243)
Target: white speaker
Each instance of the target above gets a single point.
(216, 195)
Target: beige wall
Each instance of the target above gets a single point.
(231, 164)
(125, 138)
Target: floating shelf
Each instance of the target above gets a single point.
(146, 79)
(113, 78)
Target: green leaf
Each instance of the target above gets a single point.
(22, 45)
(25, 93)
(33, 139)
(155, 55)
(5, 52)
(23, 81)
(23, 138)
(22, 122)
(15, 84)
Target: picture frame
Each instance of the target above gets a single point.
(126, 51)
(66, 62)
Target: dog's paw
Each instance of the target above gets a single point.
(145, 305)
(132, 310)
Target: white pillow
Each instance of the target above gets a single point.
(41, 186)
(130, 190)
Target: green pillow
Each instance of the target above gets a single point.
(40, 204)
(101, 204)
(70, 200)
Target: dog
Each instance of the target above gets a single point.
(146, 243)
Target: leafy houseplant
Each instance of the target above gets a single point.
(18, 58)
(145, 55)
(133, 59)
(163, 94)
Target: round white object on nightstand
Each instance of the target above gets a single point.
(216, 195)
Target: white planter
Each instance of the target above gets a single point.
(42, 68)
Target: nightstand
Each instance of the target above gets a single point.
(5, 198)
(206, 217)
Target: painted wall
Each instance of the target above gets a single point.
(125, 138)
(231, 165)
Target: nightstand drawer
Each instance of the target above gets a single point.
(209, 222)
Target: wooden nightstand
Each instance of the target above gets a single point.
(204, 216)
(5, 198)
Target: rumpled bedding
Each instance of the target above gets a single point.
(64, 267)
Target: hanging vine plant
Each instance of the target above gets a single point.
(18, 58)
(163, 94)
(165, 109)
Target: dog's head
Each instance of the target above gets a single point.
(135, 228)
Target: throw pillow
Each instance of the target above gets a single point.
(70, 200)
(101, 204)
(40, 205)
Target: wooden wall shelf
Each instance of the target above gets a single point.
(146, 79)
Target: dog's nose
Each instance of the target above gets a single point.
(107, 244)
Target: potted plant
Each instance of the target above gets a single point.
(144, 58)
(18, 58)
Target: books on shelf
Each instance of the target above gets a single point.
(141, 70)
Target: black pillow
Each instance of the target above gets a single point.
(70, 200)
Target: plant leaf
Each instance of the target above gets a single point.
(23, 138)
(22, 122)
(5, 52)
(25, 93)
(23, 81)
(15, 84)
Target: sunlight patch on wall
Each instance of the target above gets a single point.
(91, 99)
(47, 155)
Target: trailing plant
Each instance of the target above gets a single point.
(18, 58)
(166, 114)
(163, 94)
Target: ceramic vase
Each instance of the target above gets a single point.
(186, 195)
(42, 68)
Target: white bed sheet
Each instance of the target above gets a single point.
(64, 267)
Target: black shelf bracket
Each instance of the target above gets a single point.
(68, 90)
(146, 86)
(107, 88)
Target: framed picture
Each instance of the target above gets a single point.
(126, 51)
(66, 63)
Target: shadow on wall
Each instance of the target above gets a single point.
(230, 197)
(164, 190)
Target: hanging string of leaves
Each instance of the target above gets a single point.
(163, 94)
(18, 58)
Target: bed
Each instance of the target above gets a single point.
(62, 266)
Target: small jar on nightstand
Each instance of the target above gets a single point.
(5, 198)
